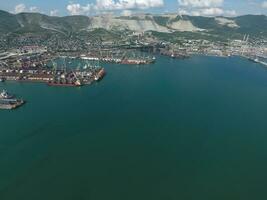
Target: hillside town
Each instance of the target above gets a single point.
(136, 49)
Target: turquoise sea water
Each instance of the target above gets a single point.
(178, 129)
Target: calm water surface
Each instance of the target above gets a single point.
(178, 129)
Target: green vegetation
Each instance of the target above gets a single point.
(161, 20)
(39, 25)
(8, 22)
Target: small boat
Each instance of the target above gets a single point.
(5, 95)
(8, 101)
(2, 79)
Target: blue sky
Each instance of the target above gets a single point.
(126, 7)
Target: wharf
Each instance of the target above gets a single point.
(54, 78)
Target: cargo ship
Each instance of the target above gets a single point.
(83, 57)
(143, 61)
(65, 84)
(132, 62)
(100, 74)
(179, 56)
(8, 101)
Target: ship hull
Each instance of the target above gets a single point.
(12, 106)
(63, 85)
(100, 75)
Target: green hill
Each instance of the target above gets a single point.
(169, 26)
(8, 22)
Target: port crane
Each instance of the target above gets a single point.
(54, 64)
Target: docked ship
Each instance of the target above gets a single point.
(256, 60)
(92, 58)
(132, 62)
(65, 84)
(8, 101)
(179, 56)
(100, 74)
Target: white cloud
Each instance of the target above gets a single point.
(230, 13)
(77, 9)
(126, 13)
(205, 12)
(127, 4)
(200, 3)
(112, 5)
(34, 9)
(212, 11)
(264, 4)
(195, 13)
(208, 12)
(20, 8)
(23, 8)
(183, 12)
(54, 12)
(204, 8)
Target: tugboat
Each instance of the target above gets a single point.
(8, 101)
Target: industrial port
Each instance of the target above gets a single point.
(41, 66)
(36, 64)
(77, 68)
